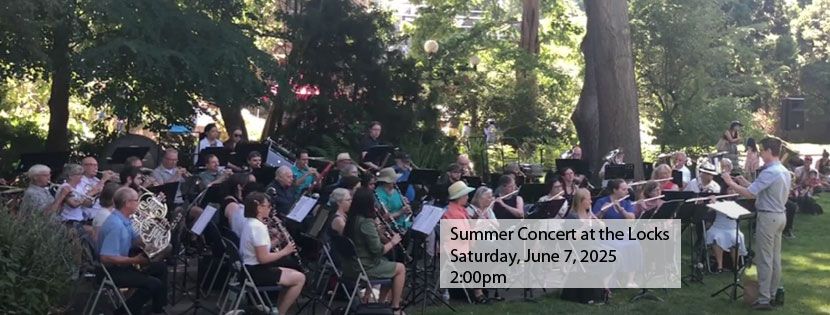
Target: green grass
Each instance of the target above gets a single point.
(806, 279)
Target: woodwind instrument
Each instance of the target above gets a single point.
(648, 199)
(276, 228)
(490, 207)
(318, 181)
(388, 225)
(405, 202)
(613, 202)
(650, 180)
(712, 197)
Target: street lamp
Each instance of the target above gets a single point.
(474, 61)
(431, 46)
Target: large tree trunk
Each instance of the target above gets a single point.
(530, 26)
(616, 90)
(586, 114)
(58, 137)
(232, 117)
(273, 120)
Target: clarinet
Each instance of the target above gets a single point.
(276, 223)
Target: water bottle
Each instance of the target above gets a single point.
(779, 296)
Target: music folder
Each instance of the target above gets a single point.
(203, 220)
(424, 177)
(579, 166)
(547, 209)
(264, 175)
(472, 181)
(169, 191)
(224, 155)
(623, 171)
(302, 208)
(532, 192)
(378, 153)
(239, 156)
(729, 208)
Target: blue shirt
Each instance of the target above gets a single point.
(116, 236)
(299, 173)
(393, 203)
(771, 188)
(611, 213)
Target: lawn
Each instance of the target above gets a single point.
(806, 279)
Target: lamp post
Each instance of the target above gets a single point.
(431, 47)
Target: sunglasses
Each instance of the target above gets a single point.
(238, 135)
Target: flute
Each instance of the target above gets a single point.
(648, 199)
(712, 197)
(613, 202)
(646, 181)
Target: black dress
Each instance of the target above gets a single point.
(502, 212)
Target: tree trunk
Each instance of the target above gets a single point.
(586, 114)
(273, 120)
(57, 139)
(616, 90)
(530, 26)
(232, 117)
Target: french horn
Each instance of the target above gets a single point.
(150, 222)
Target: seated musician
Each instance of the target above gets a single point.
(466, 165)
(115, 239)
(36, 197)
(235, 138)
(283, 188)
(553, 185)
(663, 171)
(169, 172)
(581, 210)
(72, 211)
(304, 176)
(452, 175)
(361, 229)
(704, 183)
(371, 139)
(254, 160)
(268, 267)
(570, 182)
(209, 138)
(341, 164)
(105, 208)
(212, 175)
(233, 208)
(479, 207)
(456, 209)
(612, 206)
(391, 198)
(512, 207)
(680, 165)
(651, 189)
(91, 185)
(341, 199)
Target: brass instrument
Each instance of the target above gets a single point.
(611, 157)
(150, 223)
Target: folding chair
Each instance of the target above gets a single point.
(245, 285)
(102, 279)
(346, 250)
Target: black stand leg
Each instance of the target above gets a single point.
(696, 270)
(423, 287)
(197, 299)
(736, 281)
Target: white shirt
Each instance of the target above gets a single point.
(85, 186)
(101, 217)
(695, 186)
(254, 234)
(687, 174)
(68, 213)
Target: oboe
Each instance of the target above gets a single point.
(389, 227)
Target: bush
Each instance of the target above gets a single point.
(38, 260)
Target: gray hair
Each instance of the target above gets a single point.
(72, 169)
(480, 194)
(347, 171)
(284, 169)
(339, 195)
(122, 195)
(37, 169)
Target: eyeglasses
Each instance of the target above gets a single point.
(132, 200)
(238, 135)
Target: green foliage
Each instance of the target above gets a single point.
(37, 263)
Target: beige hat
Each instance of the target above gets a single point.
(708, 168)
(343, 156)
(388, 175)
(459, 189)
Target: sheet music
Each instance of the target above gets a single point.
(302, 208)
(203, 220)
(729, 208)
(426, 220)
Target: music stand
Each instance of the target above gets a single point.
(623, 171)
(473, 181)
(224, 155)
(424, 224)
(579, 166)
(264, 175)
(546, 209)
(693, 214)
(121, 154)
(532, 192)
(666, 211)
(677, 178)
(169, 190)
(648, 169)
(239, 157)
(54, 160)
(379, 154)
(734, 211)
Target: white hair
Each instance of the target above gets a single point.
(348, 170)
(37, 169)
(284, 169)
(339, 195)
(72, 169)
(480, 192)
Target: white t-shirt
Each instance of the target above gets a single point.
(695, 186)
(68, 213)
(687, 174)
(101, 217)
(254, 234)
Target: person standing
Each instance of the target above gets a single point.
(729, 142)
(770, 189)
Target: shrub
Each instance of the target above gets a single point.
(38, 261)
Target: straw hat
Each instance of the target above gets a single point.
(388, 175)
(708, 168)
(343, 156)
(459, 189)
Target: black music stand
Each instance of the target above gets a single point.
(677, 178)
(423, 280)
(264, 175)
(546, 209)
(427, 178)
(648, 169)
(666, 211)
(624, 171)
(54, 160)
(693, 214)
(532, 192)
(224, 155)
(239, 156)
(121, 154)
(579, 166)
(169, 190)
(379, 155)
(736, 272)
(473, 181)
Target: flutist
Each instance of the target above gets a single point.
(615, 205)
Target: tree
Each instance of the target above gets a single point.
(609, 49)
(149, 61)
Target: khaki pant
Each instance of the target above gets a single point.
(769, 227)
